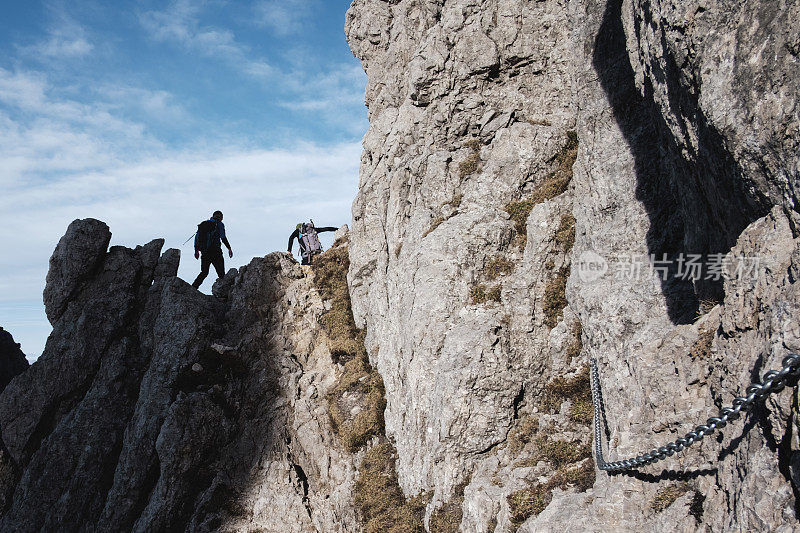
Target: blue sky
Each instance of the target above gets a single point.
(151, 115)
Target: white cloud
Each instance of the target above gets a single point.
(263, 194)
(71, 152)
(283, 17)
(60, 47)
(180, 23)
(66, 39)
(61, 159)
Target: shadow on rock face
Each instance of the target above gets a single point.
(695, 197)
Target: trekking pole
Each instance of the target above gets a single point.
(189, 239)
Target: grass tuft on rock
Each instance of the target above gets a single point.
(553, 185)
(447, 518)
(356, 401)
(574, 349)
(378, 498)
(498, 266)
(555, 297)
(667, 496)
(472, 162)
(577, 389)
(533, 500)
(561, 452)
(356, 404)
(701, 349)
(565, 234)
(522, 434)
(481, 294)
(455, 202)
(345, 340)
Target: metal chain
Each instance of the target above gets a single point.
(774, 381)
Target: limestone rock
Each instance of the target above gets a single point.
(685, 120)
(535, 180)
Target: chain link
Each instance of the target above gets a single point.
(774, 381)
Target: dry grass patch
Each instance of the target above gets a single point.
(577, 389)
(471, 164)
(356, 401)
(561, 452)
(522, 434)
(356, 404)
(553, 185)
(455, 203)
(701, 349)
(345, 340)
(447, 518)
(574, 349)
(481, 294)
(533, 500)
(705, 305)
(555, 297)
(667, 496)
(378, 498)
(565, 234)
(498, 266)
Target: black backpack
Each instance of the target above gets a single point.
(205, 234)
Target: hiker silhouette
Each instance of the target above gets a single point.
(306, 235)
(210, 233)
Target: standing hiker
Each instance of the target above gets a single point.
(207, 241)
(306, 235)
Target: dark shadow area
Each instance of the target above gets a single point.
(667, 475)
(696, 198)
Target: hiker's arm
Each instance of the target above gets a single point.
(224, 239)
(329, 228)
(292, 237)
(196, 249)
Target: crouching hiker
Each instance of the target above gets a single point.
(207, 242)
(306, 235)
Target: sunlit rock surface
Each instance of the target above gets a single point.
(535, 179)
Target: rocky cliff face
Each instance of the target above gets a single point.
(157, 408)
(540, 183)
(465, 274)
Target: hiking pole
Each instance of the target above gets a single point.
(189, 239)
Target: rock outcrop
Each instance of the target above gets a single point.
(157, 408)
(12, 360)
(686, 126)
(543, 183)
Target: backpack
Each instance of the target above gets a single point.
(206, 230)
(309, 240)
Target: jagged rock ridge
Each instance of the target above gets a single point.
(155, 407)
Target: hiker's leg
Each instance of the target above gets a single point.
(219, 264)
(205, 263)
